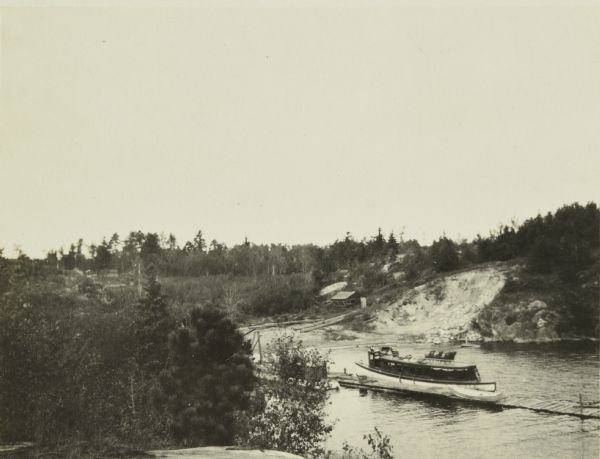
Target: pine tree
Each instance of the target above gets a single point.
(209, 379)
(378, 244)
(153, 325)
(102, 257)
(393, 246)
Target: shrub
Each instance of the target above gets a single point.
(69, 369)
(510, 319)
(380, 444)
(280, 295)
(63, 366)
(289, 403)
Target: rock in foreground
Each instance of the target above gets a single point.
(222, 452)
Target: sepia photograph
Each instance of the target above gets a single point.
(320, 229)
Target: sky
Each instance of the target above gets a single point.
(293, 122)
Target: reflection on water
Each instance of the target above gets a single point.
(434, 427)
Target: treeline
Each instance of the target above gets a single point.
(563, 241)
(199, 258)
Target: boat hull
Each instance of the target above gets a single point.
(480, 392)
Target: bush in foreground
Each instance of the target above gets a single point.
(289, 403)
(379, 443)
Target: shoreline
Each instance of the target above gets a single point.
(319, 339)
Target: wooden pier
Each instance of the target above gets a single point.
(578, 408)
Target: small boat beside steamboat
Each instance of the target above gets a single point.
(436, 373)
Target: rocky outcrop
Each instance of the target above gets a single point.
(221, 452)
(524, 322)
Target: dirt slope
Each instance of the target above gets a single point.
(441, 308)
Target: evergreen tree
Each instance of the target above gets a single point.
(415, 261)
(130, 245)
(348, 251)
(209, 380)
(153, 325)
(443, 255)
(379, 241)
(542, 255)
(51, 259)
(68, 260)
(5, 272)
(504, 245)
(393, 246)
(150, 247)
(79, 256)
(103, 256)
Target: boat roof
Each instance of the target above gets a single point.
(434, 359)
(436, 363)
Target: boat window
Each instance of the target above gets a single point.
(451, 374)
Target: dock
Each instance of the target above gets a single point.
(578, 408)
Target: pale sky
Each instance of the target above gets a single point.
(293, 122)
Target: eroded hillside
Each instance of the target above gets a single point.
(442, 308)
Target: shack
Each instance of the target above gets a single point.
(345, 299)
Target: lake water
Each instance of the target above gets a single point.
(440, 428)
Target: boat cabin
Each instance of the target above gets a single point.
(436, 366)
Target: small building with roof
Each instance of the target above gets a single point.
(345, 299)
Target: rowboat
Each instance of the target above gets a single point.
(437, 373)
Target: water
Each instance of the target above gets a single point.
(440, 428)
